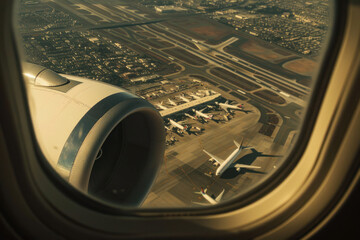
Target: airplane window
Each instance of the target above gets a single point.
(230, 81)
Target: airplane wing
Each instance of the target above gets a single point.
(239, 145)
(245, 166)
(218, 198)
(219, 160)
(202, 109)
(202, 204)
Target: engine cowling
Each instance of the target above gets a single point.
(100, 138)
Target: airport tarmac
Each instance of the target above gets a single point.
(186, 167)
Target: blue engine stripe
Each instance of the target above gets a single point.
(81, 130)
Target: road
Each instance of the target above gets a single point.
(184, 171)
(290, 123)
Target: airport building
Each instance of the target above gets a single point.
(192, 104)
(169, 9)
(145, 78)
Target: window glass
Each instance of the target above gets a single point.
(230, 78)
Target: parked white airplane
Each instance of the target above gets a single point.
(183, 98)
(208, 198)
(171, 102)
(177, 125)
(201, 114)
(226, 106)
(207, 92)
(195, 96)
(229, 161)
(161, 106)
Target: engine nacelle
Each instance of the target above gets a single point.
(101, 139)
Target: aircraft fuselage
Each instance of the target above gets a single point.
(228, 162)
(209, 199)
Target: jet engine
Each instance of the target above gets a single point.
(101, 139)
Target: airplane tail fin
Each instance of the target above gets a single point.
(202, 191)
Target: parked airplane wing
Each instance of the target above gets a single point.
(202, 109)
(239, 145)
(245, 166)
(202, 204)
(219, 160)
(218, 198)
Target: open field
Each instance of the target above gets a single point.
(270, 96)
(267, 129)
(186, 56)
(153, 42)
(201, 28)
(145, 34)
(302, 66)
(265, 56)
(234, 79)
(168, 34)
(263, 52)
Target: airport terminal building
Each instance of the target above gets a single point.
(192, 104)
